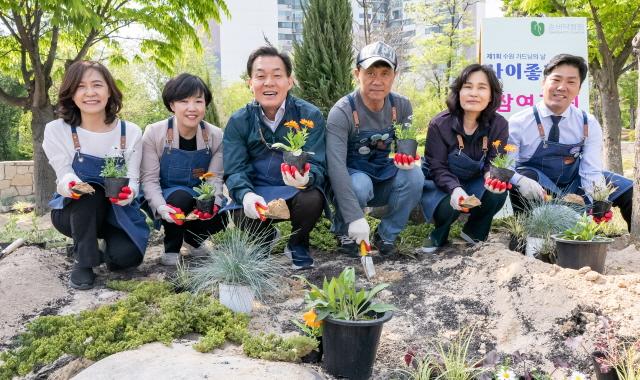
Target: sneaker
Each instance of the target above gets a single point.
(385, 248)
(428, 246)
(201, 251)
(82, 278)
(348, 246)
(300, 258)
(468, 238)
(170, 259)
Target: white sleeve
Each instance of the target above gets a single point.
(591, 163)
(58, 146)
(133, 155)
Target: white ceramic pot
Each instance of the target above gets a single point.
(534, 244)
(238, 298)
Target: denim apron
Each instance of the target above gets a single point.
(558, 165)
(468, 171)
(368, 151)
(181, 169)
(127, 218)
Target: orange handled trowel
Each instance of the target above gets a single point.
(367, 261)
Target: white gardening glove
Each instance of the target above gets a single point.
(458, 195)
(250, 201)
(359, 230)
(165, 212)
(66, 183)
(530, 189)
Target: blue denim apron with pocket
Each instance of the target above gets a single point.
(181, 169)
(558, 165)
(368, 151)
(468, 171)
(128, 218)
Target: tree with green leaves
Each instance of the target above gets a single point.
(44, 36)
(323, 60)
(612, 25)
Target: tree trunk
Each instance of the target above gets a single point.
(635, 216)
(43, 175)
(612, 122)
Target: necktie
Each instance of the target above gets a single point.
(554, 133)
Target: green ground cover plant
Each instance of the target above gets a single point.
(277, 348)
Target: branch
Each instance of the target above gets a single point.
(48, 65)
(5, 21)
(88, 42)
(15, 101)
(603, 47)
(621, 59)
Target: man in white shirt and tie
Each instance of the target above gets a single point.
(559, 146)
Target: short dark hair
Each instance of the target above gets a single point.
(269, 51)
(184, 86)
(567, 59)
(453, 100)
(379, 63)
(67, 108)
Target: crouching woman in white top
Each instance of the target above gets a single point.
(76, 145)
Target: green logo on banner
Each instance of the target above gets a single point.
(537, 28)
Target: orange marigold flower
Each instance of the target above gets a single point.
(510, 148)
(310, 319)
(307, 123)
(292, 124)
(206, 175)
(496, 143)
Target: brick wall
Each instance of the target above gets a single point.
(16, 179)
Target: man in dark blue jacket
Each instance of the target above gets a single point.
(254, 170)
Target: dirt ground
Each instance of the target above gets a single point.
(514, 303)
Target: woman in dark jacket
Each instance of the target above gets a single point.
(460, 146)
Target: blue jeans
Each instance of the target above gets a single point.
(401, 194)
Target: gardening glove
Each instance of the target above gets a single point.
(205, 215)
(359, 230)
(405, 161)
(171, 214)
(458, 195)
(496, 186)
(64, 186)
(530, 189)
(125, 197)
(292, 177)
(254, 206)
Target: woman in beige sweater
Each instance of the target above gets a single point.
(176, 153)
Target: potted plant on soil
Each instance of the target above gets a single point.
(352, 323)
(312, 327)
(544, 219)
(293, 154)
(240, 264)
(406, 142)
(601, 205)
(502, 162)
(582, 245)
(114, 173)
(206, 195)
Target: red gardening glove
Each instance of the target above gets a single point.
(496, 186)
(462, 209)
(178, 216)
(291, 176)
(405, 161)
(261, 209)
(73, 195)
(207, 215)
(125, 197)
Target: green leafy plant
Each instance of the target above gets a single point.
(339, 299)
(296, 137)
(601, 192)
(585, 229)
(205, 190)
(277, 348)
(453, 361)
(503, 160)
(114, 167)
(406, 131)
(237, 257)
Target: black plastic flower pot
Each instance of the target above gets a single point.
(113, 186)
(298, 161)
(205, 205)
(350, 346)
(407, 146)
(609, 374)
(314, 356)
(599, 208)
(501, 174)
(577, 254)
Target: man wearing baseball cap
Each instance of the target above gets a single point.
(360, 135)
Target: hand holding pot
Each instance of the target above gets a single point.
(205, 215)
(457, 196)
(125, 197)
(64, 186)
(405, 161)
(496, 186)
(254, 206)
(292, 177)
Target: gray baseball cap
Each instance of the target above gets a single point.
(377, 51)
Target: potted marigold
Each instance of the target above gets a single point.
(114, 172)
(296, 139)
(502, 162)
(406, 142)
(312, 327)
(206, 195)
(352, 323)
(582, 245)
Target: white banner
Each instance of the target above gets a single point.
(519, 47)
